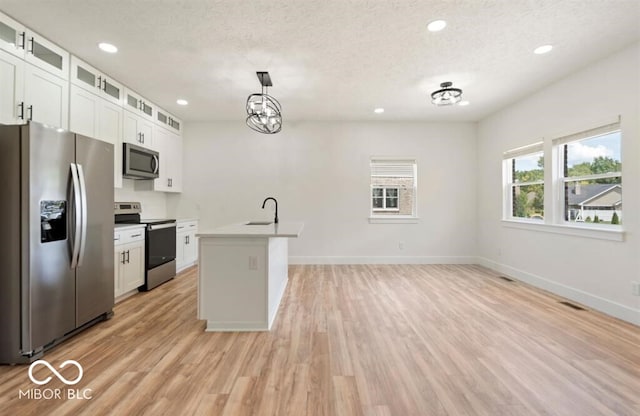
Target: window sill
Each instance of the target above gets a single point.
(611, 233)
(393, 220)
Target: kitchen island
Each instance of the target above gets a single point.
(242, 274)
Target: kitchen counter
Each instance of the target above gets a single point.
(242, 274)
(282, 229)
(124, 227)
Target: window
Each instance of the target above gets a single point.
(583, 187)
(393, 188)
(385, 199)
(592, 176)
(524, 192)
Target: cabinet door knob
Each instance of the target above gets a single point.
(23, 35)
(31, 41)
(21, 106)
(99, 81)
(122, 261)
(30, 108)
(128, 256)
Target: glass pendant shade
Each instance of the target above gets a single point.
(264, 113)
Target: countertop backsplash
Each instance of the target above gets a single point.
(154, 204)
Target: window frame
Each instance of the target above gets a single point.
(559, 147)
(384, 199)
(554, 186)
(510, 184)
(378, 216)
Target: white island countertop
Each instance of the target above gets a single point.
(282, 229)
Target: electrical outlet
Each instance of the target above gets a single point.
(401, 245)
(253, 263)
(635, 288)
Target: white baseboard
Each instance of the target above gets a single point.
(603, 305)
(382, 260)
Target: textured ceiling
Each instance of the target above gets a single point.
(335, 59)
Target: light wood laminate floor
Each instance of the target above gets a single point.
(352, 340)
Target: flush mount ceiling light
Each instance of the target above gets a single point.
(379, 110)
(182, 101)
(107, 47)
(446, 95)
(264, 113)
(436, 25)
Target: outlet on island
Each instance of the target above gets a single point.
(253, 263)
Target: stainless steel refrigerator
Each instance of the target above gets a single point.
(56, 237)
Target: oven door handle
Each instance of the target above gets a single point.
(161, 226)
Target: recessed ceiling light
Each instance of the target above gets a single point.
(107, 47)
(463, 103)
(542, 49)
(436, 25)
(182, 101)
(379, 110)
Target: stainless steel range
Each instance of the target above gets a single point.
(160, 243)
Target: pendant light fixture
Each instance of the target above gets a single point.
(446, 95)
(263, 111)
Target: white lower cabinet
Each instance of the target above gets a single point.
(186, 245)
(129, 261)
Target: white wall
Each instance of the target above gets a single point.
(154, 204)
(319, 172)
(595, 272)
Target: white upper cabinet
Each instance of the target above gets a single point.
(12, 109)
(83, 116)
(138, 130)
(46, 97)
(167, 120)
(138, 105)
(87, 77)
(12, 36)
(35, 75)
(99, 118)
(169, 146)
(46, 55)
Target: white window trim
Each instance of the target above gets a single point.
(508, 156)
(600, 232)
(560, 180)
(384, 199)
(554, 221)
(395, 219)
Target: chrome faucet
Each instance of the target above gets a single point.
(274, 200)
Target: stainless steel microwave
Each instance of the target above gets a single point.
(139, 162)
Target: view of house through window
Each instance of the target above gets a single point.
(593, 179)
(586, 180)
(393, 187)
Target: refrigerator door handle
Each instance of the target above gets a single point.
(83, 234)
(76, 214)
